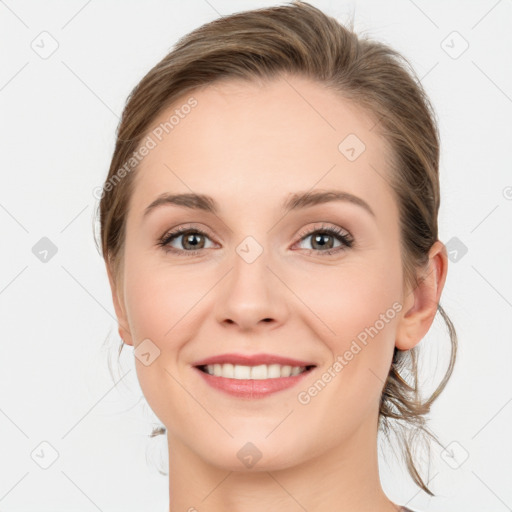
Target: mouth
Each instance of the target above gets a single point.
(259, 372)
(254, 376)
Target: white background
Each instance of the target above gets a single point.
(58, 120)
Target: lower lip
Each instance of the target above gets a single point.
(252, 388)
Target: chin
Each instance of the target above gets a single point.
(248, 453)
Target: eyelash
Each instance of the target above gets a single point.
(343, 236)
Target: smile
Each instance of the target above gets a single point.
(260, 372)
(252, 376)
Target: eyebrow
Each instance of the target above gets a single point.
(296, 201)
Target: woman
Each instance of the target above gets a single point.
(269, 227)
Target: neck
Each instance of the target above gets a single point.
(344, 479)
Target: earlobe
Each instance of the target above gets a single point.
(116, 290)
(422, 301)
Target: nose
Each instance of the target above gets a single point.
(252, 297)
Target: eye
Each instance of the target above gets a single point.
(323, 240)
(191, 240)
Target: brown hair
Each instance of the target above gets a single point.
(299, 39)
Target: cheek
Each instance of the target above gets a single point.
(355, 307)
(160, 304)
(350, 297)
(158, 297)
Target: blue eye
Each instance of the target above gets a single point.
(331, 234)
(191, 237)
(193, 240)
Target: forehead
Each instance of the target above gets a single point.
(248, 140)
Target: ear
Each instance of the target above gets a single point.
(420, 303)
(117, 299)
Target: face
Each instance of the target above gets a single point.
(261, 275)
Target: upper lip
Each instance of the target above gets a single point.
(252, 360)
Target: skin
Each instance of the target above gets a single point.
(249, 146)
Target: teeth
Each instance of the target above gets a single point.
(259, 372)
(262, 371)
